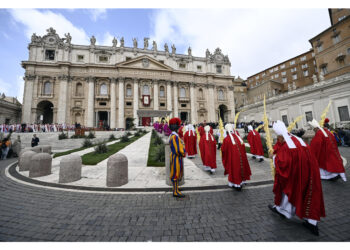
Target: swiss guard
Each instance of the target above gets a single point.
(176, 156)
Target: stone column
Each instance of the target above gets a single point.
(156, 95)
(62, 99)
(211, 104)
(193, 103)
(91, 103)
(113, 104)
(136, 101)
(27, 98)
(176, 101)
(121, 104)
(168, 96)
(231, 102)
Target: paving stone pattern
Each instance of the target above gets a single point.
(30, 213)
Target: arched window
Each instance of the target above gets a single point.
(47, 88)
(200, 94)
(79, 89)
(103, 89)
(220, 95)
(145, 90)
(128, 90)
(182, 92)
(161, 91)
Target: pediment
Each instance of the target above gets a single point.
(144, 62)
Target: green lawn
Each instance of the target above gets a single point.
(94, 158)
(153, 148)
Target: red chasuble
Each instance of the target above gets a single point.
(298, 176)
(326, 152)
(255, 143)
(208, 150)
(190, 139)
(234, 159)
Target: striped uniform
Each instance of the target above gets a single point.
(177, 152)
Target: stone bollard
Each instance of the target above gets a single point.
(36, 149)
(25, 160)
(46, 149)
(70, 169)
(41, 165)
(117, 170)
(167, 166)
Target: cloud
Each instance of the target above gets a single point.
(5, 87)
(96, 14)
(254, 39)
(107, 39)
(38, 22)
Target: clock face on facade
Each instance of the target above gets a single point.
(51, 40)
(219, 57)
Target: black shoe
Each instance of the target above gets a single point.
(335, 178)
(179, 195)
(274, 209)
(261, 159)
(254, 157)
(238, 188)
(313, 229)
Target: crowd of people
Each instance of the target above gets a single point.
(298, 168)
(35, 127)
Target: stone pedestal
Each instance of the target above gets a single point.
(117, 170)
(70, 169)
(41, 165)
(25, 160)
(36, 149)
(167, 166)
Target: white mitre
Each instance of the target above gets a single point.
(280, 129)
(315, 124)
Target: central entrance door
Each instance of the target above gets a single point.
(146, 121)
(102, 119)
(183, 116)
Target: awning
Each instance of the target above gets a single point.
(153, 113)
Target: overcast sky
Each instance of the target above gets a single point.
(253, 38)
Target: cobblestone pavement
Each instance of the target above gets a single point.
(29, 213)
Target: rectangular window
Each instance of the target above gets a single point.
(293, 69)
(128, 103)
(271, 77)
(49, 55)
(275, 69)
(271, 70)
(127, 58)
(324, 70)
(319, 48)
(276, 75)
(218, 69)
(284, 79)
(292, 62)
(285, 120)
(282, 66)
(263, 74)
(313, 54)
(305, 72)
(303, 58)
(283, 73)
(80, 58)
(161, 61)
(128, 92)
(348, 50)
(295, 76)
(162, 104)
(183, 105)
(103, 104)
(103, 58)
(336, 39)
(308, 116)
(341, 18)
(182, 65)
(257, 77)
(344, 113)
(199, 67)
(304, 66)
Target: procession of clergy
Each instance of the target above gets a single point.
(297, 167)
